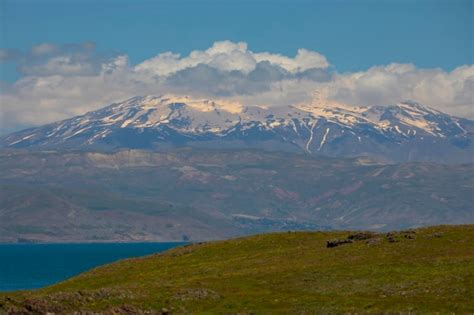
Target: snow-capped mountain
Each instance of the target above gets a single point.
(402, 132)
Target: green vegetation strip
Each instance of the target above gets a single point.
(423, 270)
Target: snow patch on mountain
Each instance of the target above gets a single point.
(150, 121)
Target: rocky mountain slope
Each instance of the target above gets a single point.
(198, 194)
(404, 132)
(422, 271)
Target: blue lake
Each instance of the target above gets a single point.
(28, 266)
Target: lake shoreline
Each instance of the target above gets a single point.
(55, 262)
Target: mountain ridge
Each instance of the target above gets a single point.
(403, 132)
(200, 194)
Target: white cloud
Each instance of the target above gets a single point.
(304, 60)
(43, 49)
(229, 56)
(9, 54)
(65, 65)
(450, 92)
(65, 81)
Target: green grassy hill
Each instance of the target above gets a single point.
(423, 270)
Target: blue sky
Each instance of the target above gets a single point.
(62, 58)
(353, 35)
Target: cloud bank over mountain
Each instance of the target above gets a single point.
(61, 81)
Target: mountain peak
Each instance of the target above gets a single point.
(319, 126)
(418, 107)
(196, 104)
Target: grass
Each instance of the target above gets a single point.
(428, 270)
